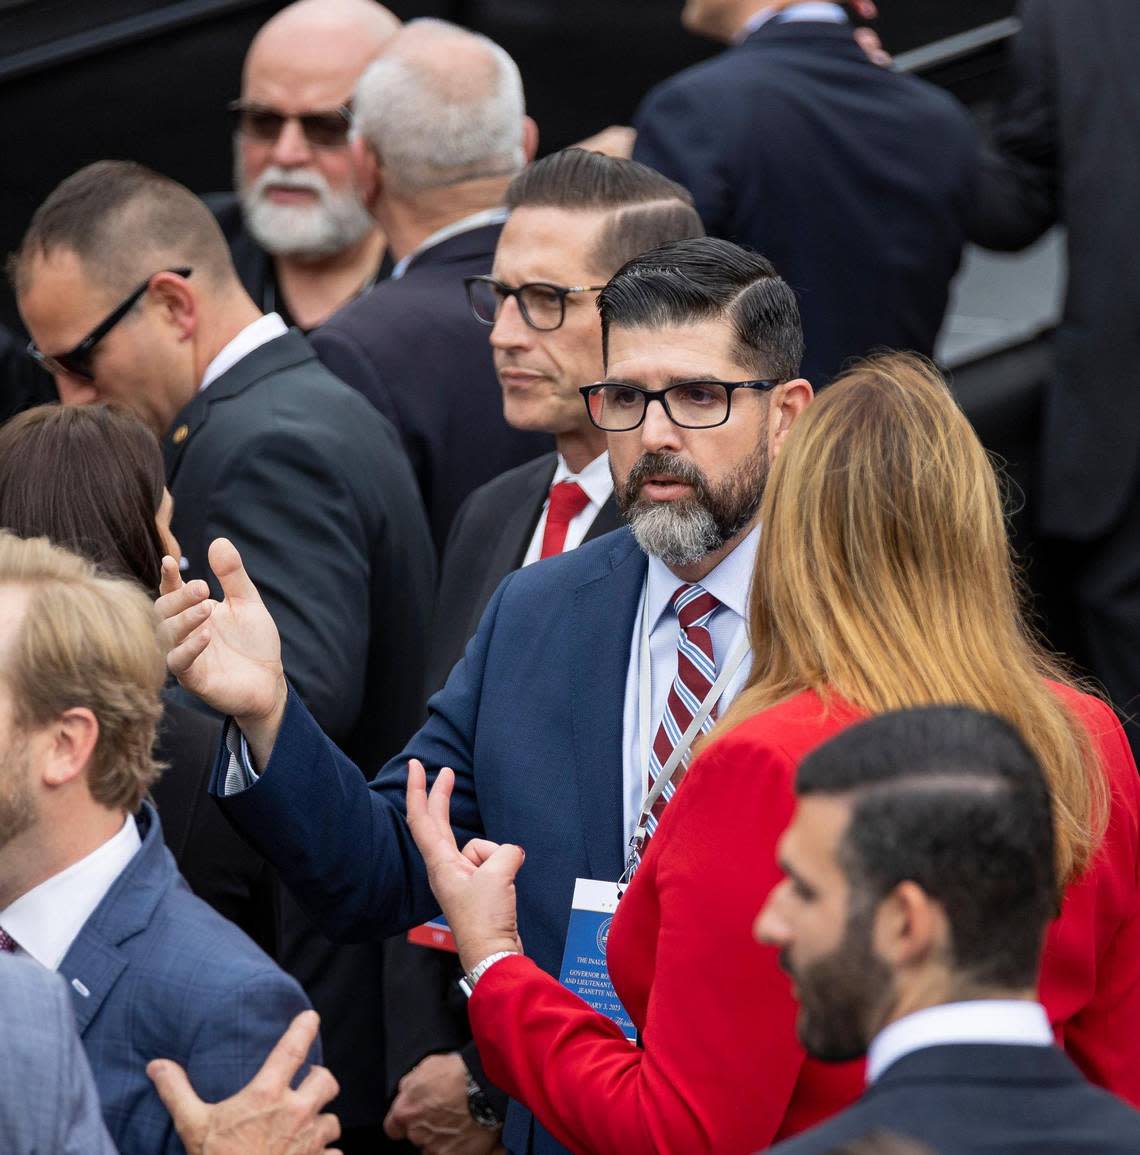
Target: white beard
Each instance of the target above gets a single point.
(336, 222)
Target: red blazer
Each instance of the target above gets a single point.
(719, 1069)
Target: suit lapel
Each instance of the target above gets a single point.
(604, 609)
(607, 521)
(94, 963)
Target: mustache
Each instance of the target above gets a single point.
(290, 178)
(654, 464)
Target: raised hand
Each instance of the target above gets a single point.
(266, 1117)
(475, 889)
(228, 653)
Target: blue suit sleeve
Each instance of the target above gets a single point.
(343, 846)
(675, 136)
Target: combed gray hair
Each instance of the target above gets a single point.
(441, 105)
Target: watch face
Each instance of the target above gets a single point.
(481, 1111)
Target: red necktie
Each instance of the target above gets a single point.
(567, 500)
(696, 673)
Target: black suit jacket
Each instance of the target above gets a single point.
(311, 484)
(853, 180)
(220, 866)
(412, 347)
(981, 1100)
(1066, 150)
(425, 1012)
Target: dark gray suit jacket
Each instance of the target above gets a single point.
(425, 1012)
(1067, 151)
(489, 540)
(48, 1101)
(311, 484)
(969, 1099)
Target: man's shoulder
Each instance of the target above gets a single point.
(26, 990)
(518, 484)
(591, 561)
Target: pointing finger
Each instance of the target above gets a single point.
(289, 1052)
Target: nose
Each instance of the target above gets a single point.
(510, 330)
(291, 148)
(658, 432)
(771, 926)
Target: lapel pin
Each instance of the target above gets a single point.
(81, 988)
(180, 434)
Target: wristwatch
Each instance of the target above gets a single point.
(479, 1106)
(468, 981)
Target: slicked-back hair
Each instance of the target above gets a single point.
(646, 210)
(124, 222)
(706, 279)
(953, 800)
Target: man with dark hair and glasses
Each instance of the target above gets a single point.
(298, 224)
(589, 671)
(125, 283)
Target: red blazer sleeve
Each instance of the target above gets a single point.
(719, 1058)
(1091, 964)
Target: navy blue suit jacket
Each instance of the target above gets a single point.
(413, 348)
(971, 1099)
(155, 973)
(531, 722)
(853, 180)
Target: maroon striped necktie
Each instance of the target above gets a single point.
(696, 673)
(7, 943)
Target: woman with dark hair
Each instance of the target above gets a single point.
(91, 479)
(883, 580)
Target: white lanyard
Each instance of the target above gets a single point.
(644, 707)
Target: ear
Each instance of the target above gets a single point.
(71, 741)
(530, 138)
(367, 166)
(910, 927)
(178, 302)
(788, 402)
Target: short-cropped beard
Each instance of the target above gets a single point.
(683, 531)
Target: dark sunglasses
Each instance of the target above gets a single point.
(77, 361)
(321, 129)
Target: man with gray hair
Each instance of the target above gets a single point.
(299, 229)
(441, 126)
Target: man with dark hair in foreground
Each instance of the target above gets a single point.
(543, 718)
(920, 881)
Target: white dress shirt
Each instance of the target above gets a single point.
(48, 919)
(257, 333)
(817, 11)
(596, 482)
(1013, 1022)
(730, 583)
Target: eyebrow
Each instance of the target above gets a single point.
(794, 875)
(672, 379)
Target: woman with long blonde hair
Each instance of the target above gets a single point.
(883, 580)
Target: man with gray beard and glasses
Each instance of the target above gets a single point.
(299, 229)
(584, 679)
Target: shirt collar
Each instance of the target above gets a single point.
(813, 10)
(465, 225)
(595, 479)
(257, 333)
(1012, 1022)
(48, 919)
(729, 582)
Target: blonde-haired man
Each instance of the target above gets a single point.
(87, 887)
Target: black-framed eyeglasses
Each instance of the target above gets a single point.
(542, 305)
(325, 129)
(77, 360)
(618, 408)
